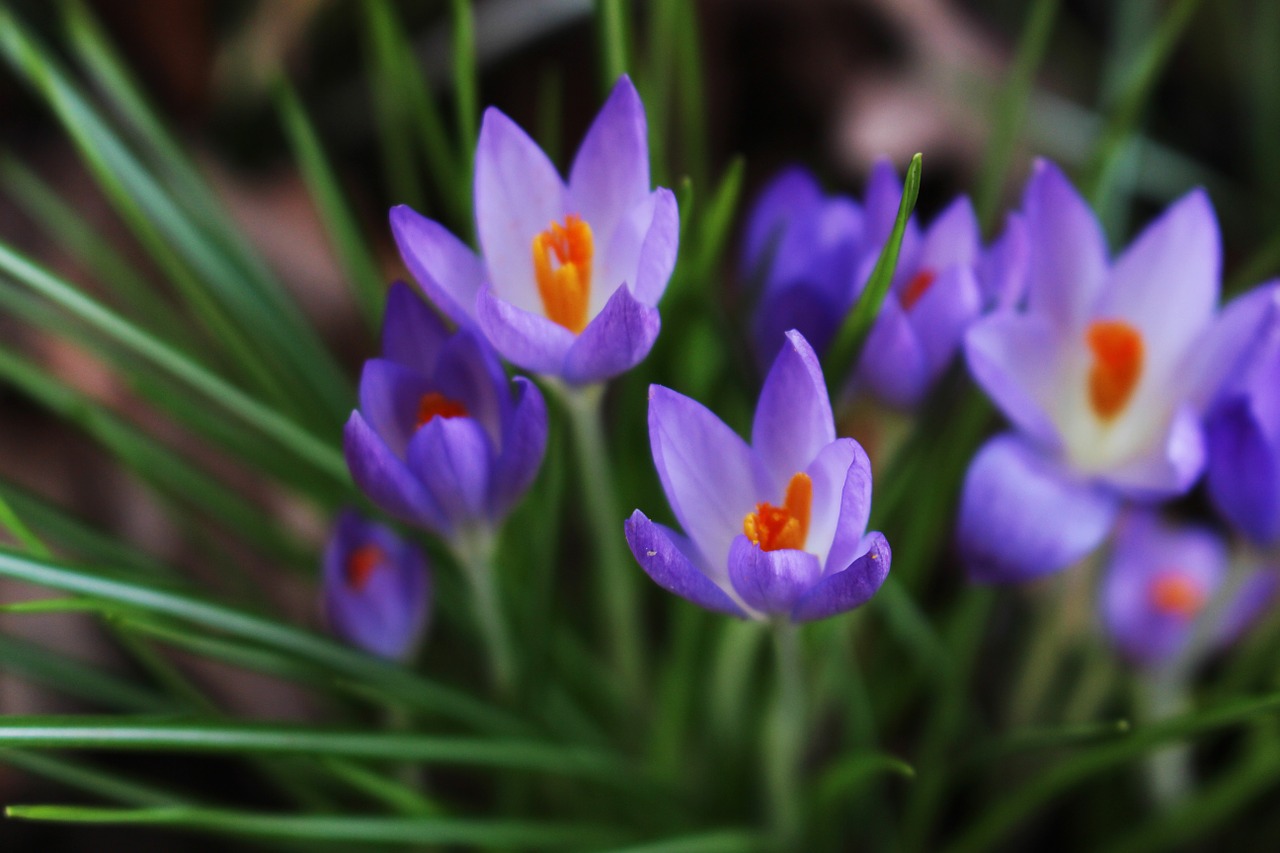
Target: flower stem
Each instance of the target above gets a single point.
(474, 551)
(616, 574)
(785, 742)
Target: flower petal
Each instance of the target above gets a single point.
(446, 269)
(1244, 470)
(1246, 331)
(710, 476)
(610, 172)
(943, 315)
(666, 556)
(1166, 283)
(793, 419)
(892, 365)
(658, 252)
(412, 334)
(804, 306)
(1254, 597)
(386, 479)
(518, 194)
(389, 399)
(952, 239)
(793, 193)
(524, 443)
(1170, 467)
(1002, 271)
(841, 476)
(616, 340)
(1023, 516)
(771, 581)
(451, 457)
(1067, 263)
(469, 371)
(530, 341)
(1010, 356)
(850, 588)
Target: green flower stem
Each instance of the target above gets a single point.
(616, 572)
(1168, 769)
(474, 551)
(785, 741)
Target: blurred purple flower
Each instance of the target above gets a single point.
(808, 556)
(1243, 425)
(376, 588)
(1162, 580)
(1104, 375)
(440, 440)
(571, 274)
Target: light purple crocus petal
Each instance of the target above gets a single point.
(893, 365)
(710, 476)
(952, 239)
(1008, 356)
(884, 196)
(525, 445)
(389, 399)
(1022, 515)
(793, 419)
(610, 172)
(1002, 271)
(771, 581)
(412, 334)
(518, 194)
(792, 194)
(799, 306)
(1244, 470)
(661, 241)
(1247, 329)
(1255, 596)
(1166, 469)
(445, 268)
(525, 339)
(386, 479)
(841, 476)
(468, 371)
(850, 588)
(616, 340)
(1166, 283)
(669, 559)
(451, 458)
(1068, 260)
(942, 316)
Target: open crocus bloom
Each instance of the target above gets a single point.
(776, 528)
(571, 274)
(376, 588)
(440, 440)
(1243, 426)
(1162, 581)
(1104, 376)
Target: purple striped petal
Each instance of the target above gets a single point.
(1067, 265)
(616, 340)
(1012, 357)
(610, 173)
(451, 457)
(771, 581)
(793, 419)
(1167, 469)
(448, 272)
(668, 558)
(893, 365)
(524, 445)
(386, 479)
(1244, 470)
(850, 588)
(412, 334)
(530, 341)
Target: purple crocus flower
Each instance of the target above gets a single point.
(440, 440)
(570, 274)
(1243, 426)
(376, 588)
(1104, 375)
(776, 528)
(1164, 580)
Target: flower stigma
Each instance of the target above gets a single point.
(1117, 366)
(565, 286)
(1174, 593)
(433, 405)
(916, 288)
(776, 527)
(361, 565)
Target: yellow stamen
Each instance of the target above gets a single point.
(787, 526)
(1117, 366)
(565, 288)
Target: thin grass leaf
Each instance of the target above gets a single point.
(378, 788)
(466, 93)
(335, 828)
(87, 682)
(845, 779)
(691, 98)
(723, 841)
(388, 79)
(339, 221)
(86, 778)
(613, 25)
(1032, 738)
(847, 347)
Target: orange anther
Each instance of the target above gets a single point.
(917, 287)
(1117, 366)
(787, 526)
(436, 405)
(565, 287)
(361, 564)
(1174, 593)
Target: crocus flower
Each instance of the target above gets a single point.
(1163, 581)
(570, 275)
(376, 587)
(1104, 374)
(1243, 426)
(776, 528)
(440, 440)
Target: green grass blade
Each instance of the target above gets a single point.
(724, 841)
(87, 682)
(843, 356)
(846, 777)
(613, 21)
(466, 93)
(90, 779)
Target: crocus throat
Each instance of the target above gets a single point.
(1174, 593)
(1117, 366)
(361, 564)
(787, 526)
(433, 404)
(565, 285)
(916, 288)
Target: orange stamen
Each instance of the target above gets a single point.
(361, 564)
(1173, 593)
(787, 526)
(916, 288)
(436, 405)
(1117, 366)
(566, 288)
